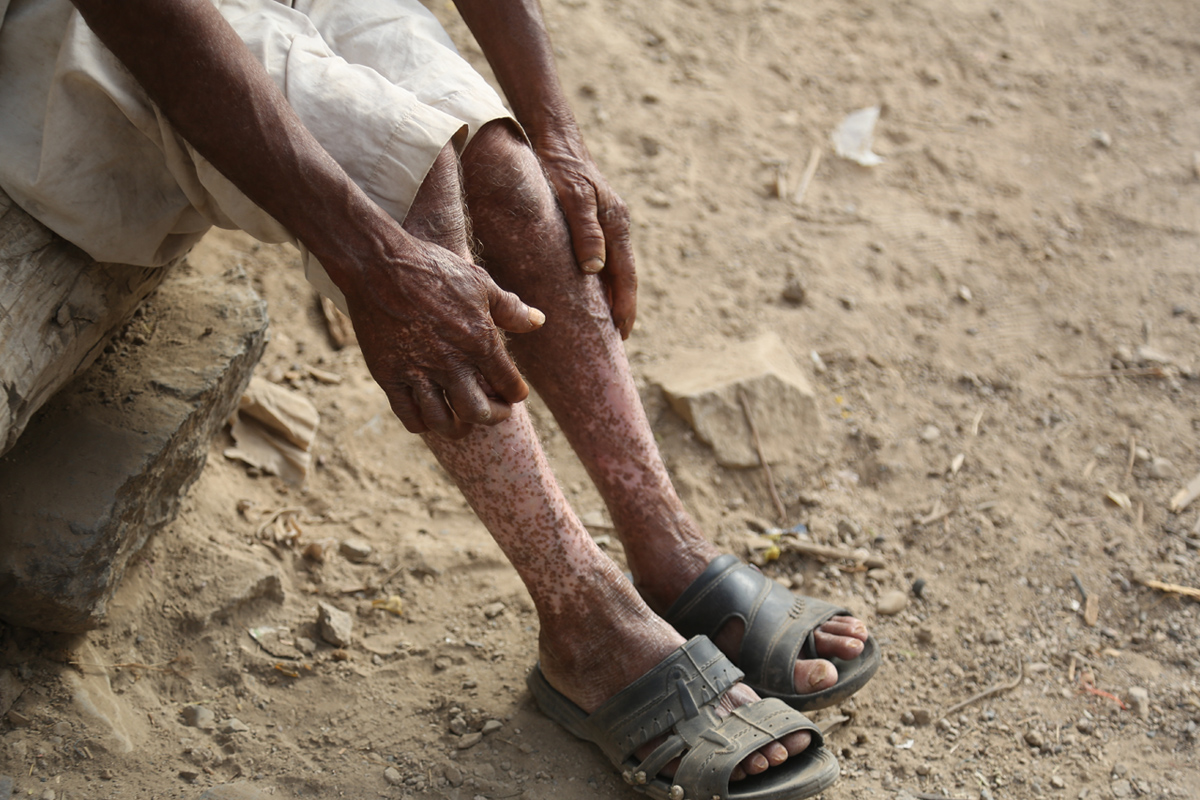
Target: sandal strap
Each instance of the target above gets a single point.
(707, 766)
(680, 693)
(779, 627)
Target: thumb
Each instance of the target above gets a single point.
(511, 314)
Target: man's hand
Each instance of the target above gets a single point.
(428, 329)
(597, 218)
(513, 38)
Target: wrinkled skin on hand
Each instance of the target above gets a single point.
(597, 218)
(429, 328)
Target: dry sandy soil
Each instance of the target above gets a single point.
(1016, 284)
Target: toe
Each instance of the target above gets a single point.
(844, 647)
(846, 626)
(796, 743)
(775, 753)
(814, 675)
(756, 764)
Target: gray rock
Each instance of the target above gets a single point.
(922, 716)
(1034, 739)
(470, 740)
(234, 791)
(334, 625)
(1121, 789)
(491, 726)
(306, 645)
(233, 725)
(993, 636)
(199, 717)
(355, 550)
(892, 602)
(108, 460)
(493, 610)
(704, 389)
(458, 725)
(6, 787)
(393, 776)
(453, 775)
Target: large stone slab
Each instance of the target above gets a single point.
(107, 461)
(705, 388)
(58, 309)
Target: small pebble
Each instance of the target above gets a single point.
(392, 776)
(334, 625)
(1057, 782)
(493, 610)
(1034, 739)
(794, 291)
(922, 716)
(470, 740)
(458, 726)
(993, 636)
(1139, 701)
(306, 645)
(233, 725)
(453, 775)
(199, 717)
(930, 433)
(491, 726)
(1162, 470)
(355, 550)
(918, 587)
(892, 602)
(924, 635)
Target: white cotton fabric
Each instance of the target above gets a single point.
(83, 150)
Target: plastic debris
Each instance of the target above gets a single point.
(852, 138)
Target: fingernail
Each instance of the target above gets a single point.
(536, 318)
(592, 265)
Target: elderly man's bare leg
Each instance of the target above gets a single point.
(587, 611)
(578, 366)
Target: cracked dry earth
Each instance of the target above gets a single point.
(1007, 324)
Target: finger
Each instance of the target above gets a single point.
(620, 272)
(511, 314)
(580, 207)
(471, 404)
(406, 409)
(436, 413)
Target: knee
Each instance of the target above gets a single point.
(503, 180)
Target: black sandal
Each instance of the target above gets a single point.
(677, 700)
(780, 628)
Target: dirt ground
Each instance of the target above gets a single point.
(1006, 318)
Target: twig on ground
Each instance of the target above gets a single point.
(1174, 588)
(1135, 372)
(997, 689)
(814, 160)
(1130, 460)
(745, 401)
(274, 515)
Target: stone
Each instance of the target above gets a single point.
(930, 433)
(10, 689)
(355, 550)
(493, 610)
(107, 461)
(453, 775)
(393, 776)
(1162, 469)
(491, 726)
(892, 602)
(1121, 789)
(305, 645)
(469, 740)
(233, 725)
(1138, 699)
(993, 636)
(459, 726)
(234, 791)
(1034, 739)
(334, 625)
(705, 388)
(6, 787)
(58, 310)
(199, 717)
(922, 716)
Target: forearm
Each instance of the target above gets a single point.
(221, 100)
(513, 37)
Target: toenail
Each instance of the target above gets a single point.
(817, 678)
(760, 763)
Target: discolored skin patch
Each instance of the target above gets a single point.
(586, 608)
